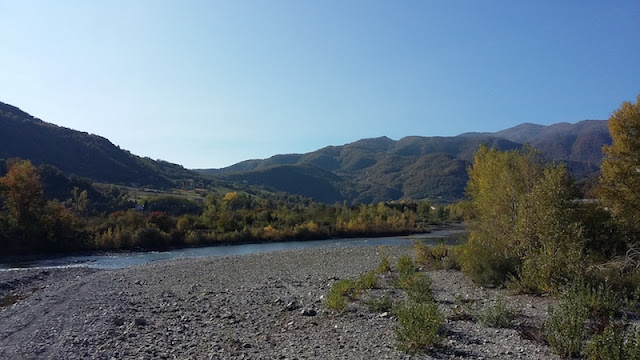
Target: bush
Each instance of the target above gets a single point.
(367, 281)
(440, 257)
(452, 261)
(564, 327)
(486, 263)
(385, 264)
(418, 287)
(614, 343)
(380, 304)
(419, 326)
(497, 315)
(600, 299)
(551, 268)
(151, 238)
(406, 268)
(340, 292)
(422, 253)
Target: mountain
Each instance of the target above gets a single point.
(579, 145)
(367, 170)
(414, 167)
(80, 153)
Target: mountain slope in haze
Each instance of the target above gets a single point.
(579, 145)
(416, 167)
(79, 153)
(370, 170)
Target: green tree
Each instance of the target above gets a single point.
(620, 180)
(521, 223)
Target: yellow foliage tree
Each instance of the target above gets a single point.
(620, 180)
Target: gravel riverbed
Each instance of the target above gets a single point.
(261, 306)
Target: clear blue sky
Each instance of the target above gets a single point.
(211, 83)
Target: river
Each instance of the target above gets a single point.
(126, 259)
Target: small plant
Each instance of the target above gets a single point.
(380, 304)
(419, 326)
(452, 260)
(600, 299)
(497, 315)
(614, 343)
(564, 327)
(423, 254)
(431, 257)
(385, 264)
(367, 281)
(418, 287)
(406, 268)
(340, 293)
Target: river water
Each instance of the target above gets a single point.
(126, 259)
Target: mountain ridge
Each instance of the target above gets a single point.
(379, 169)
(366, 170)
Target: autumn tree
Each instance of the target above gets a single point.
(620, 180)
(23, 193)
(521, 224)
(23, 199)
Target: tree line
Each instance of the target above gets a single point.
(108, 219)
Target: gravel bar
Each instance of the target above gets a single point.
(260, 306)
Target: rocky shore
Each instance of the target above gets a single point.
(262, 306)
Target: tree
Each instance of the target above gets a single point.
(620, 180)
(23, 197)
(521, 226)
(23, 192)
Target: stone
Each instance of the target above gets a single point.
(308, 312)
(292, 305)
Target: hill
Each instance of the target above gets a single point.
(80, 153)
(367, 170)
(414, 167)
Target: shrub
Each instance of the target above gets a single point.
(367, 281)
(340, 293)
(422, 253)
(487, 263)
(551, 268)
(151, 238)
(452, 261)
(600, 299)
(418, 287)
(497, 315)
(406, 268)
(385, 264)
(614, 343)
(380, 304)
(564, 327)
(419, 326)
(432, 257)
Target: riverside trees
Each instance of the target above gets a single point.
(522, 228)
(620, 182)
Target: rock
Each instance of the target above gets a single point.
(140, 322)
(118, 321)
(308, 312)
(292, 305)
(384, 315)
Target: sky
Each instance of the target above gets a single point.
(207, 84)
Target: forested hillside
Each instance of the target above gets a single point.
(80, 153)
(415, 167)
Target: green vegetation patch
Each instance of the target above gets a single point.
(420, 326)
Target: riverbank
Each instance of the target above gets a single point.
(252, 306)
